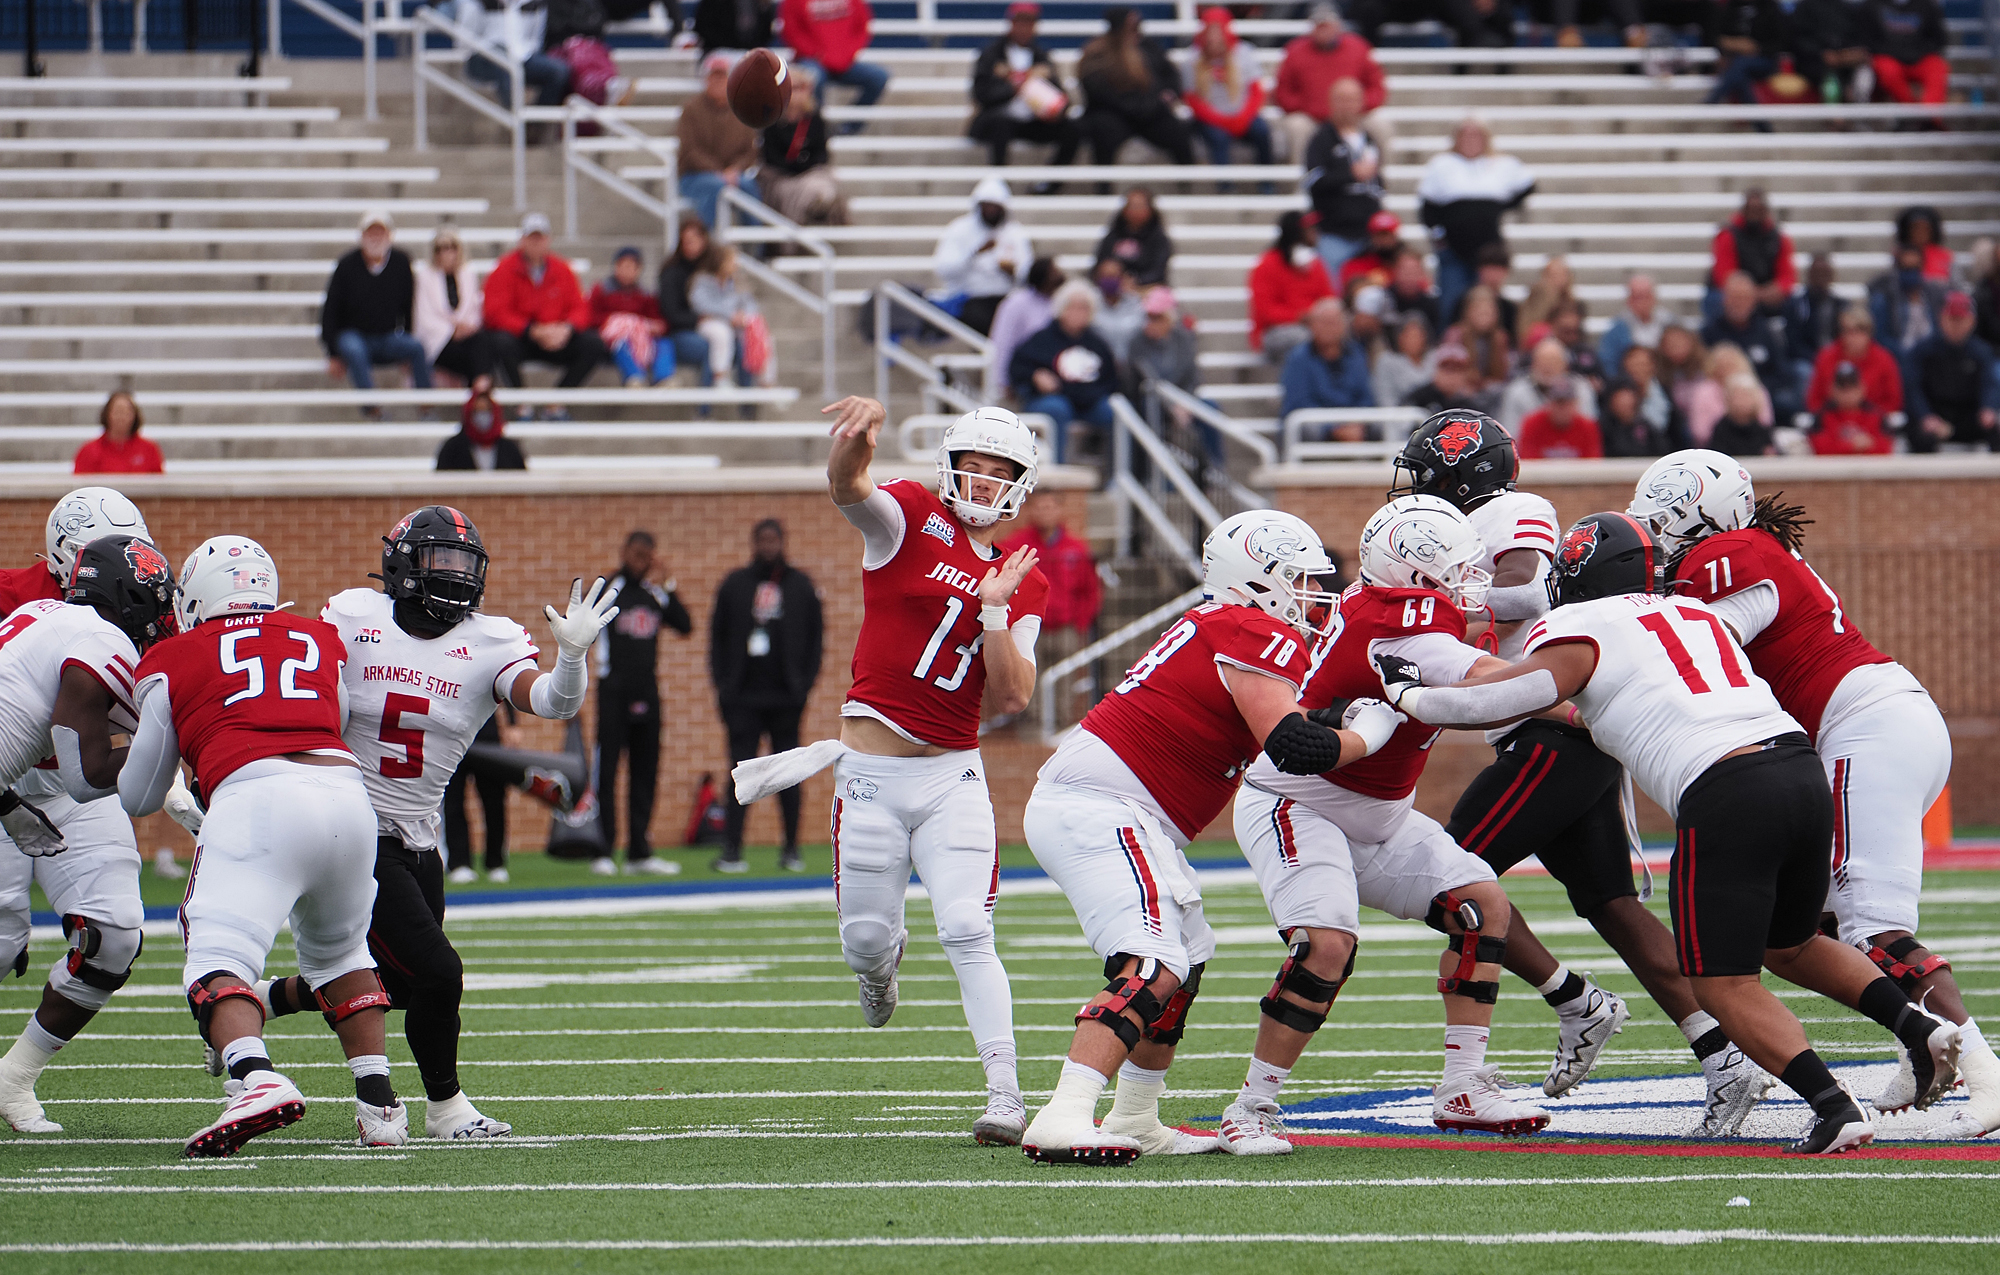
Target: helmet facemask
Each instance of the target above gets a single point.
(959, 487)
(450, 579)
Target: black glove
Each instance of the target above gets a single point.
(1399, 676)
(1331, 716)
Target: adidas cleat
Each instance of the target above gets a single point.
(1936, 1070)
(382, 1126)
(878, 995)
(1584, 1036)
(1480, 1104)
(1842, 1131)
(1155, 1138)
(1253, 1129)
(1003, 1123)
(1052, 1139)
(1735, 1086)
(268, 1102)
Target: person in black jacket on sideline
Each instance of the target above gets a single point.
(628, 702)
(764, 647)
(1010, 108)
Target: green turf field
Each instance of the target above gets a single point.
(692, 1089)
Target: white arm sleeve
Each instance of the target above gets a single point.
(155, 759)
(69, 765)
(1750, 611)
(558, 694)
(879, 519)
(1440, 658)
(1521, 601)
(1487, 705)
(1025, 631)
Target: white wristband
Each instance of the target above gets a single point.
(993, 617)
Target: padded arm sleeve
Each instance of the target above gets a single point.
(1521, 601)
(1299, 747)
(155, 757)
(69, 764)
(1486, 705)
(879, 519)
(558, 694)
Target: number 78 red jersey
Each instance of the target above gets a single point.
(246, 687)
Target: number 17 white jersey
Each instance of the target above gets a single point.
(414, 704)
(1672, 691)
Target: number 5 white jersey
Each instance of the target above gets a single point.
(37, 643)
(1672, 692)
(414, 704)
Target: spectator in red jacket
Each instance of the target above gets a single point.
(828, 36)
(535, 313)
(1284, 283)
(1311, 64)
(1558, 431)
(1881, 377)
(119, 449)
(1076, 595)
(1849, 425)
(1753, 243)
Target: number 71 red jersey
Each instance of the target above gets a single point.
(246, 687)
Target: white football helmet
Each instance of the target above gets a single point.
(227, 575)
(990, 431)
(1423, 542)
(83, 516)
(1267, 559)
(1689, 494)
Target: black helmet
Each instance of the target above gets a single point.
(130, 583)
(1605, 555)
(435, 559)
(1461, 455)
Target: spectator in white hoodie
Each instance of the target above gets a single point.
(983, 255)
(446, 316)
(1461, 196)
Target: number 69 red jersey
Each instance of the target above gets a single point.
(245, 687)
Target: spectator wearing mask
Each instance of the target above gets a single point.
(1555, 285)
(1225, 90)
(1760, 335)
(1375, 264)
(1450, 386)
(1330, 369)
(1708, 397)
(1559, 429)
(733, 24)
(1742, 431)
(1488, 343)
(1130, 90)
(627, 319)
(1306, 75)
(1066, 371)
(365, 319)
(1121, 307)
(983, 255)
(693, 253)
(1753, 245)
(445, 311)
(1812, 316)
(627, 656)
(765, 641)
(1462, 196)
(1022, 313)
(1749, 38)
(1288, 279)
(1904, 302)
(1405, 367)
(1908, 38)
(1548, 368)
(1849, 425)
(827, 37)
(1829, 46)
(1137, 240)
(1881, 372)
(119, 449)
(481, 441)
(536, 313)
(717, 150)
(1920, 227)
(1953, 397)
(1018, 96)
(732, 324)
(1639, 323)
(797, 169)
(1076, 593)
(519, 32)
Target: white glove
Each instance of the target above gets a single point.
(182, 808)
(1374, 721)
(586, 618)
(30, 829)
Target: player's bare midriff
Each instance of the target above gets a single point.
(866, 735)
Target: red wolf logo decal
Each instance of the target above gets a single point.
(1457, 440)
(1577, 546)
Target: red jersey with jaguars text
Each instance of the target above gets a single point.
(916, 662)
(246, 687)
(22, 585)
(1812, 643)
(1174, 723)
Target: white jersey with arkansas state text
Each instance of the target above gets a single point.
(414, 704)
(1672, 691)
(1514, 520)
(37, 642)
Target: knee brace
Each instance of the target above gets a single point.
(1173, 1017)
(1483, 948)
(202, 1001)
(1890, 961)
(100, 954)
(1130, 991)
(1294, 977)
(338, 1012)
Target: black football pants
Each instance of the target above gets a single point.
(418, 965)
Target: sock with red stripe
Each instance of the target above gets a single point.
(1464, 1052)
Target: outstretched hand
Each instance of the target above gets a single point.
(576, 629)
(856, 417)
(1001, 581)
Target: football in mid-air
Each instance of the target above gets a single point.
(759, 86)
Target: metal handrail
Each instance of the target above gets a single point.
(1126, 417)
(393, 22)
(890, 295)
(1209, 414)
(422, 62)
(822, 305)
(576, 159)
(1397, 422)
(1052, 676)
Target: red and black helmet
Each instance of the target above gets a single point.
(1604, 556)
(1460, 455)
(435, 559)
(130, 583)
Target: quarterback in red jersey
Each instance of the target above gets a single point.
(1882, 741)
(252, 698)
(1150, 766)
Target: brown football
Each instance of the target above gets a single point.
(759, 86)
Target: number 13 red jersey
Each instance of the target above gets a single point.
(246, 687)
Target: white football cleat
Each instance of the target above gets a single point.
(267, 1102)
(1980, 1070)
(1835, 1134)
(1584, 1036)
(1480, 1104)
(382, 1126)
(1735, 1086)
(1053, 1139)
(463, 875)
(1252, 1129)
(1004, 1121)
(1937, 1073)
(1900, 1094)
(878, 995)
(19, 1106)
(471, 1127)
(1155, 1138)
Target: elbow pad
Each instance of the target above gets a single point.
(1521, 601)
(1299, 747)
(69, 764)
(558, 694)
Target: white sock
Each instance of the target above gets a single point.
(1555, 980)
(368, 1065)
(1139, 1090)
(452, 1111)
(241, 1048)
(1698, 1024)
(1261, 1085)
(32, 1051)
(1970, 1037)
(1077, 1091)
(1464, 1051)
(1002, 1071)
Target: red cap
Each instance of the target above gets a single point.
(1957, 304)
(1024, 9)
(1384, 223)
(1215, 16)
